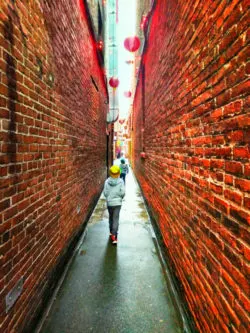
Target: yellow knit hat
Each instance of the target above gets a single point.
(114, 171)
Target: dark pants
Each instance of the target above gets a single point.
(114, 212)
(123, 176)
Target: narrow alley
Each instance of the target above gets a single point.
(88, 88)
(124, 288)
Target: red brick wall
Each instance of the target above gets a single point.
(53, 143)
(195, 176)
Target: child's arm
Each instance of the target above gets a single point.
(105, 191)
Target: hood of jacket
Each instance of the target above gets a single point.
(114, 181)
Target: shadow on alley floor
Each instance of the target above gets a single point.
(115, 289)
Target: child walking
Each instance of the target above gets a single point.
(124, 169)
(114, 192)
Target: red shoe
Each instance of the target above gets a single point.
(113, 239)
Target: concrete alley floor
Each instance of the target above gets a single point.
(119, 288)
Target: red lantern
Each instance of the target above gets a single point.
(114, 82)
(127, 93)
(143, 154)
(121, 121)
(132, 44)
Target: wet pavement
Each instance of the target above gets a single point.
(115, 288)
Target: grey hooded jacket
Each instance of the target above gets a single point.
(114, 191)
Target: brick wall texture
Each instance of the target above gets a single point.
(53, 143)
(192, 120)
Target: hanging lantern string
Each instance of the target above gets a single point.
(114, 54)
